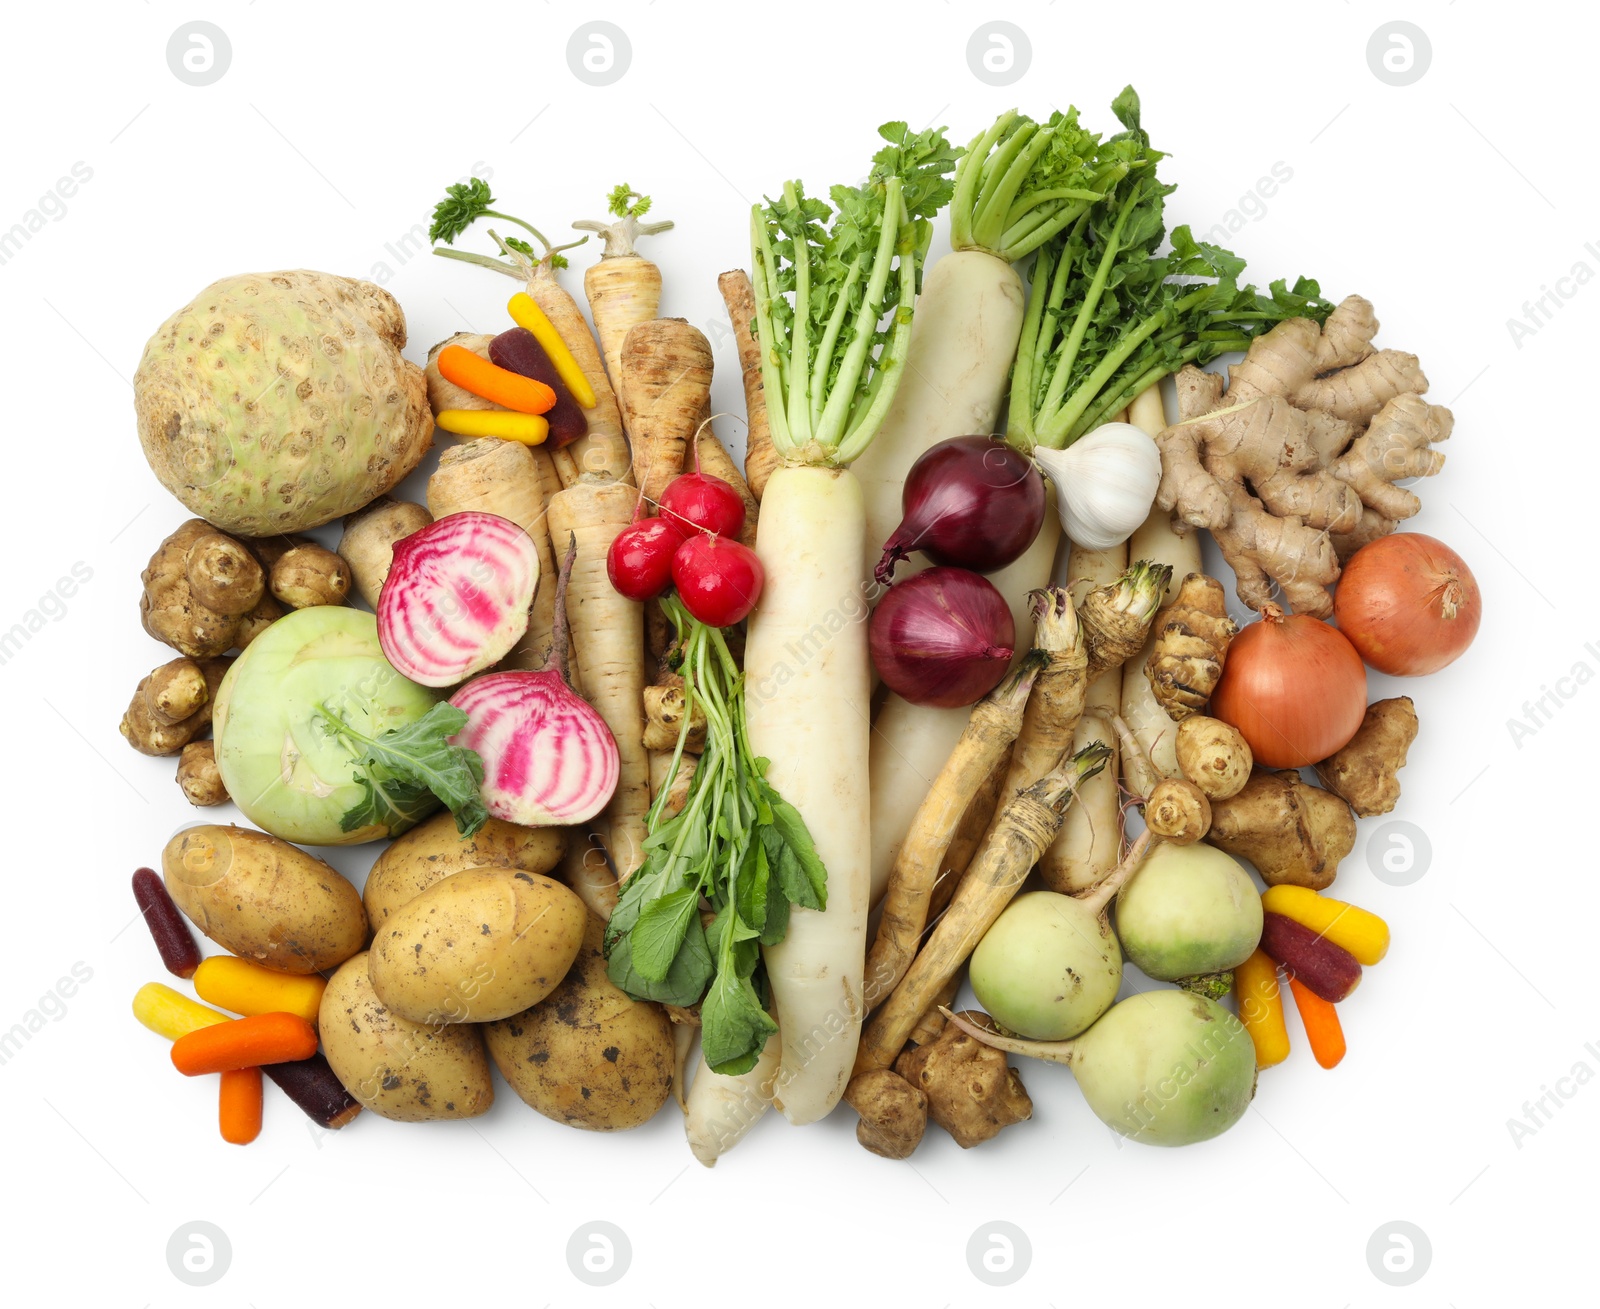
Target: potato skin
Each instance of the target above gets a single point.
(433, 851)
(587, 1055)
(263, 898)
(480, 945)
(410, 1072)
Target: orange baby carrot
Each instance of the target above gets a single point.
(1321, 1021)
(244, 1043)
(239, 1105)
(489, 381)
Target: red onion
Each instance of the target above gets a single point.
(969, 502)
(456, 598)
(942, 638)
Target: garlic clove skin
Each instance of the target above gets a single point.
(1105, 483)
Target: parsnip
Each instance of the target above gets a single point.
(1158, 543)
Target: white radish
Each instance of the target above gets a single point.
(1157, 542)
(807, 700)
(721, 1110)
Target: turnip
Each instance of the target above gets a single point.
(1048, 967)
(1190, 910)
(1161, 1068)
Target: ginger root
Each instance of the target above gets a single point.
(1295, 468)
(198, 588)
(1363, 773)
(1192, 638)
(970, 1090)
(172, 705)
(1214, 756)
(894, 1114)
(1293, 832)
(198, 777)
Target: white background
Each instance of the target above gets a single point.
(1449, 202)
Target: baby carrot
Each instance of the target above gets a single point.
(244, 1043)
(171, 932)
(170, 1013)
(1255, 983)
(1363, 934)
(248, 988)
(1321, 1021)
(525, 313)
(530, 429)
(239, 1105)
(488, 381)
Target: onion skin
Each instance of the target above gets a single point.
(548, 757)
(1409, 604)
(943, 638)
(969, 502)
(1294, 687)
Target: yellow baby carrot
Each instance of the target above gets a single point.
(1363, 934)
(526, 314)
(1255, 983)
(248, 988)
(529, 429)
(170, 1013)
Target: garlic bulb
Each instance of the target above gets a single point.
(1105, 483)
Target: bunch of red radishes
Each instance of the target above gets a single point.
(692, 544)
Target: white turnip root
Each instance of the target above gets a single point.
(1162, 1068)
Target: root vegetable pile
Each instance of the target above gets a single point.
(647, 736)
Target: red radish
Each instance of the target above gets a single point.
(1408, 603)
(639, 560)
(548, 757)
(944, 637)
(703, 501)
(457, 596)
(719, 580)
(1294, 687)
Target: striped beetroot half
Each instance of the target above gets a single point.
(457, 596)
(548, 757)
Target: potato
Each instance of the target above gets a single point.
(410, 1072)
(587, 1055)
(479, 945)
(264, 899)
(431, 852)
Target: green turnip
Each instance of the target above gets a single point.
(1048, 967)
(1162, 1068)
(1188, 910)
